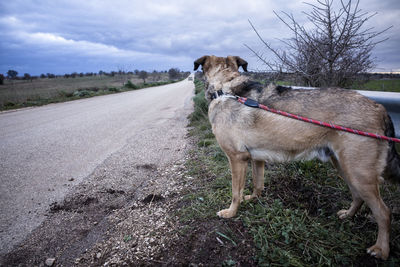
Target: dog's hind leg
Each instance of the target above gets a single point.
(354, 207)
(382, 216)
(258, 179)
(357, 200)
(238, 165)
(369, 192)
(363, 181)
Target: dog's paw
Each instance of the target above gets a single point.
(377, 252)
(343, 214)
(226, 213)
(249, 197)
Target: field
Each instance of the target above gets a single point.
(20, 93)
(385, 85)
(388, 85)
(294, 222)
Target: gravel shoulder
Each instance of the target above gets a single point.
(107, 221)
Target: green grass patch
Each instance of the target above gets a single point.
(392, 85)
(285, 83)
(133, 86)
(294, 222)
(385, 85)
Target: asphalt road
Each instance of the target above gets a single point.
(46, 151)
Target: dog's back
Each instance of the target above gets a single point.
(306, 102)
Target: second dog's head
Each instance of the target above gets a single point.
(220, 70)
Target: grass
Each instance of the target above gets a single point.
(18, 94)
(392, 85)
(285, 83)
(294, 222)
(388, 85)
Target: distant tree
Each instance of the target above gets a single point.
(173, 73)
(12, 74)
(101, 72)
(1, 79)
(136, 72)
(27, 76)
(42, 76)
(156, 75)
(143, 75)
(122, 75)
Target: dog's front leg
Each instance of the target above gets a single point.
(238, 167)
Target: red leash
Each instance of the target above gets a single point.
(255, 104)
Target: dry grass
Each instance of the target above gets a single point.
(20, 91)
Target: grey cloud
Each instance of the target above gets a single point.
(148, 34)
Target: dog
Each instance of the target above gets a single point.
(245, 133)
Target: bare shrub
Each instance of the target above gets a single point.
(332, 52)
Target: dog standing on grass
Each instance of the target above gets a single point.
(245, 133)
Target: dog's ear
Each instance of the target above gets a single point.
(241, 63)
(200, 61)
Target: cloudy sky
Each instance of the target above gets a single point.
(56, 36)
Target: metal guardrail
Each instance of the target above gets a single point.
(390, 100)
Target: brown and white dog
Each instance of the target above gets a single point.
(245, 133)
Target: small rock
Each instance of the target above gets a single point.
(71, 179)
(50, 261)
(98, 255)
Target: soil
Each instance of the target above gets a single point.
(100, 224)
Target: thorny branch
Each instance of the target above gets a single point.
(331, 53)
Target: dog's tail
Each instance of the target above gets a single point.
(392, 170)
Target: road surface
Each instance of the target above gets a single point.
(46, 151)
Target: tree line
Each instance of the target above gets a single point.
(173, 74)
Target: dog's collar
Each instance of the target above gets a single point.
(221, 93)
(217, 94)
